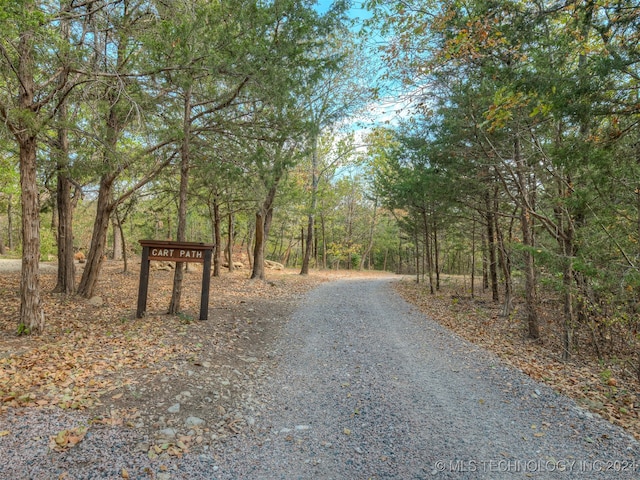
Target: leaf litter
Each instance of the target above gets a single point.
(124, 371)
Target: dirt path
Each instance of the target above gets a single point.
(364, 387)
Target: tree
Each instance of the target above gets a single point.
(34, 86)
(118, 97)
(335, 96)
(533, 98)
(9, 181)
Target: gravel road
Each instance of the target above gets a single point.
(368, 388)
(15, 265)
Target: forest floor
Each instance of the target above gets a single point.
(152, 373)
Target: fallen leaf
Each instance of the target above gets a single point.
(67, 439)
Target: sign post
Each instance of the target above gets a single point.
(175, 252)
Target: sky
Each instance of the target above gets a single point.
(388, 110)
(357, 10)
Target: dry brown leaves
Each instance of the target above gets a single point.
(87, 352)
(67, 439)
(604, 388)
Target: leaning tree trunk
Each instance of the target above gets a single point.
(96, 254)
(114, 123)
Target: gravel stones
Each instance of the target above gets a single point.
(194, 422)
(416, 401)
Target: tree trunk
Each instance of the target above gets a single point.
(428, 250)
(65, 205)
(105, 205)
(284, 258)
(436, 254)
(371, 232)
(10, 243)
(308, 246)
(263, 224)
(312, 211)
(417, 242)
(567, 300)
(258, 248)
(117, 237)
(324, 242)
(473, 258)
(174, 305)
(505, 265)
(217, 237)
(66, 282)
(566, 240)
(31, 312)
(485, 263)
(526, 226)
(491, 247)
(230, 236)
(122, 242)
(96, 254)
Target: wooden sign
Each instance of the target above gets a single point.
(175, 252)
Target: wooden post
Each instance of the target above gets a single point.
(206, 282)
(143, 287)
(175, 252)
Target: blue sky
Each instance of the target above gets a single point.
(357, 11)
(387, 110)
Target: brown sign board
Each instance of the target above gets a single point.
(174, 252)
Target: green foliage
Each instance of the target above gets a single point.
(48, 246)
(23, 330)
